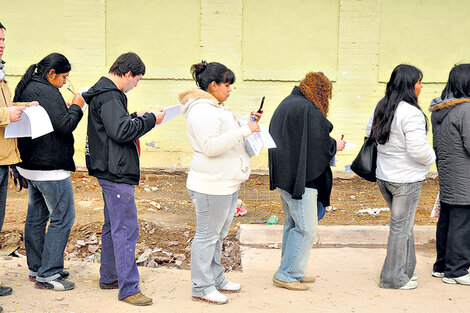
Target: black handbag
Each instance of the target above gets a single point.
(365, 163)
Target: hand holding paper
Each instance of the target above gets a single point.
(34, 123)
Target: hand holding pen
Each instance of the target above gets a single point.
(340, 144)
(77, 99)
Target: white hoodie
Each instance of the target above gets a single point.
(220, 162)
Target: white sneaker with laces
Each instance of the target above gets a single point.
(230, 287)
(462, 280)
(410, 285)
(214, 297)
(437, 274)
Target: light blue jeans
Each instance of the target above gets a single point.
(400, 262)
(300, 229)
(214, 214)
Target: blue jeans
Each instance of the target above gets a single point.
(300, 229)
(119, 237)
(400, 262)
(214, 213)
(48, 200)
(4, 170)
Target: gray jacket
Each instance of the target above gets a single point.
(450, 120)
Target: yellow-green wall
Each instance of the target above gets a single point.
(269, 44)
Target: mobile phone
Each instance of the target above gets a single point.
(261, 106)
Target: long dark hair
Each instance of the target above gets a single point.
(55, 61)
(205, 73)
(401, 87)
(458, 84)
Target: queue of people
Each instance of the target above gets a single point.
(299, 169)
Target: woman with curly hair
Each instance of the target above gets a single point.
(300, 170)
(403, 160)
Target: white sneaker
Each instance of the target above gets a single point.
(410, 285)
(214, 297)
(462, 280)
(437, 274)
(414, 277)
(230, 287)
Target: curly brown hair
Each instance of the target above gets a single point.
(316, 87)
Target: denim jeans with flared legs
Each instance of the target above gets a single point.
(400, 262)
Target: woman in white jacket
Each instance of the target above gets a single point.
(220, 164)
(403, 160)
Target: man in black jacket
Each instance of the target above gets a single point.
(112, 156)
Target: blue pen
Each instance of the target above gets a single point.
(253, 119)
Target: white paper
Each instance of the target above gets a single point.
(81, 91)
(349, 145)
(171, 112)
(266, 137)
(260, 139)
(34, 123)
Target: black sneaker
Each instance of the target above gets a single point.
(5, 291)
(58, 284)
(64, 274)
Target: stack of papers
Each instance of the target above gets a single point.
(34, 123)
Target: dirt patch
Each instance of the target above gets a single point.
(167, 217)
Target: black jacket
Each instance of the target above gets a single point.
(111, 149)
(451, 140)
(55, 150)
(304, 148)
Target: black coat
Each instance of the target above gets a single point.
(55, 150)
(111, 148)
(451, 140)
(304, 148)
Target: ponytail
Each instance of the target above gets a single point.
(205, 73)
(53, 61)
(24, 82)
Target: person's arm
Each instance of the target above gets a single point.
(4, 116)
(463, 127)
(205, 128)
(119, 125)
(64, 120)
(414, 128)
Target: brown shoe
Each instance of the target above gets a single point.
(114, 285)
(308, 280)
(138, 299)
(298, 286)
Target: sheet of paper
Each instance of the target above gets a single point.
(81, 91)
(34, 123)
(266, 136)
(171, 112)
(349, 145)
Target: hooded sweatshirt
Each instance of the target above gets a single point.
(111, 149)
(450, 120)
(220, 161)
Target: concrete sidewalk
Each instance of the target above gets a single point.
(266, 235)
(347, 280)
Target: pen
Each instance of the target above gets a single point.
(342, 136)
(70, 90)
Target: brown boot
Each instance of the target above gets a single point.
(298, 286)
(138, 299)
(308, 280)
(114, 285)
